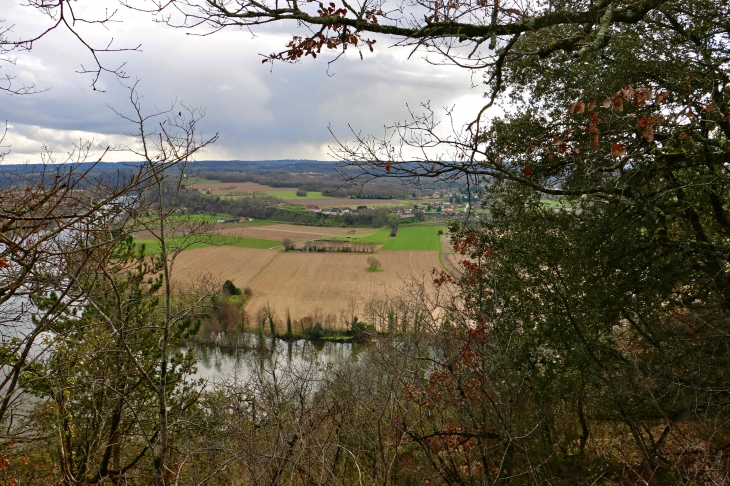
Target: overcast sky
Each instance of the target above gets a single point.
(259, 114)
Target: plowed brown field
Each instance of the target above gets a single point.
(452, 261)
(277, 232)
(328, 283)
(238, 265)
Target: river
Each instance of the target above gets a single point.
(219, 363)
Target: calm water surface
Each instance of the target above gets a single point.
(219, 363)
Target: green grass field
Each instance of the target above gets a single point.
(257, 222)
(200, 180)
(278, 194)
(210, 218)
(379, 237)
(415, 238)
(293, 195)
(152, 246)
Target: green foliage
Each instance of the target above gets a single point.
(104, 363)
(317, 331)
(230, 288)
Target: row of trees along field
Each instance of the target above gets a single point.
(266, 207)
(584, 345)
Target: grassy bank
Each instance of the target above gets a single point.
(152, 246)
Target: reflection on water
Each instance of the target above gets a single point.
(216, 363)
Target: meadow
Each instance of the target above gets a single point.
(424, 237)
(152, 245)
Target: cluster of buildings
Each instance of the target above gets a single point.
(335, 211)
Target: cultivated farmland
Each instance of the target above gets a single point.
(278, 232)
(238, 265)
(288, 194)
(329, 283)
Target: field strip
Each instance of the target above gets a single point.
(441, 260)
(261, 270)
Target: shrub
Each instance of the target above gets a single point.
(373, 263)
(288, 244)
(230, 288)
(301, 193)
(317, 331)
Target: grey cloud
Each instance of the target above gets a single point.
(276, 114)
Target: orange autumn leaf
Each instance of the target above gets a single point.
(594, 142)
(618, 105)
(618, 149)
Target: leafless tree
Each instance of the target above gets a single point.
(62, 223)
(62, 15)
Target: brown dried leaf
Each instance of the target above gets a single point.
(661, 98)
(591, 105)
(618, 149)
(618, 105)
(594, 142)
